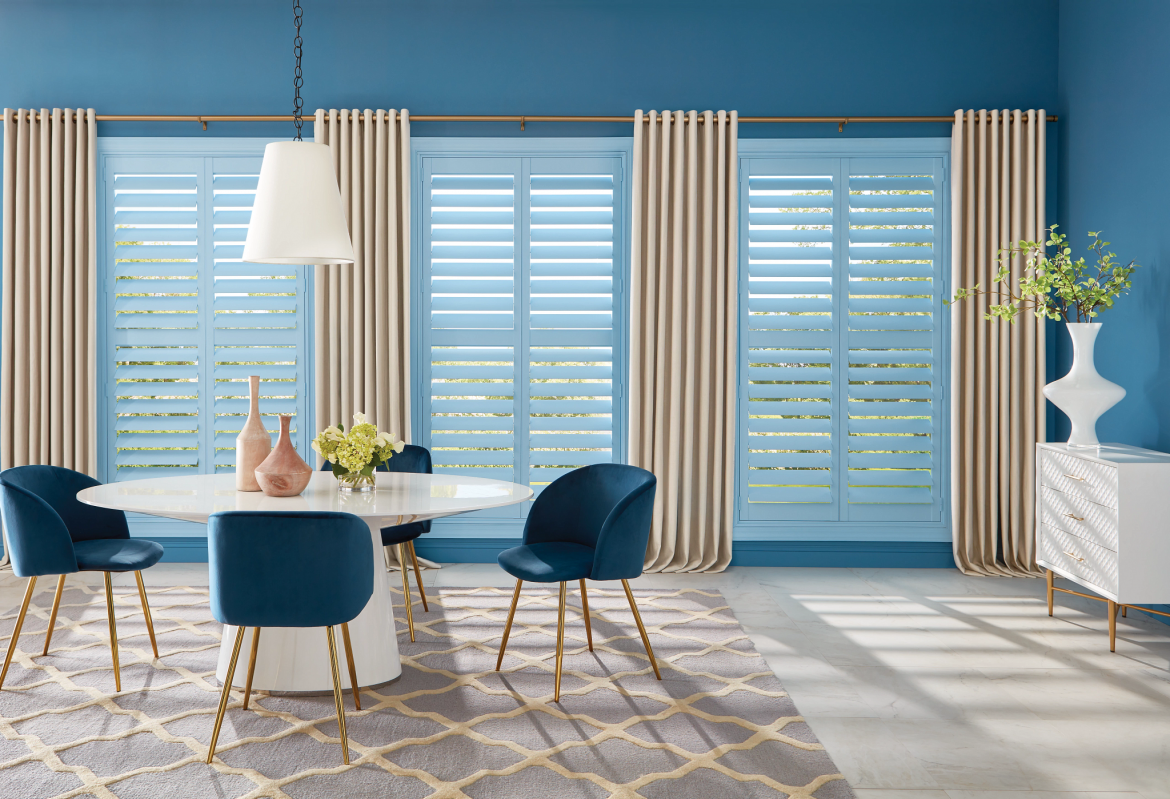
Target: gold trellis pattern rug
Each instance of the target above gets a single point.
(719, 724)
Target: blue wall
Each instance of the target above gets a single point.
(1113, 173)
(759, 57)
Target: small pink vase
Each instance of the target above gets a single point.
(253, 443)
(284, 473)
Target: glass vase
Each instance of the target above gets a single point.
(355, 482)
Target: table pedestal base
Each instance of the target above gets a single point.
(296, 659)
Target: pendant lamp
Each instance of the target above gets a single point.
(297, 216)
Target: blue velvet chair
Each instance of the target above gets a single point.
(415, 460)
(51, 532)
(307, 569)
(590, 524)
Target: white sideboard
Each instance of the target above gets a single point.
(1103, 522)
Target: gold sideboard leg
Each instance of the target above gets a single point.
(1124, 608)
(1051, 592)
(1112, 626)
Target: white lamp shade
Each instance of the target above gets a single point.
(297, 217)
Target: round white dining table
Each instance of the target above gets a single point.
(295, 659)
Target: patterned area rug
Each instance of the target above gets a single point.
(718, 725)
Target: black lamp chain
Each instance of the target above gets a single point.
(298, 80)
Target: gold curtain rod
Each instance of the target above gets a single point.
(841, 122)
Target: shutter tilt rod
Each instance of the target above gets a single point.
(204, 119)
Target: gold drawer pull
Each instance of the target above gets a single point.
(1078, 518)
(1073, 556)
(1074, 477)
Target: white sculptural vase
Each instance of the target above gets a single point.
(1083, 394)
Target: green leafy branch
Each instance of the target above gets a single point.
(1055, 286)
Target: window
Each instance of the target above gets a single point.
(842, 356)
(184, 321)
(520, 345)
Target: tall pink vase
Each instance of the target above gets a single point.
(284, 473)
(252, 444)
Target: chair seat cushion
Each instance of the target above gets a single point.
(117, 554)
(402, 533)
(550, 562)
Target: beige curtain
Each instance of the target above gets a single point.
(683, 332)
(361, 322)
(362, 311)
(48, 344)
(997, 369)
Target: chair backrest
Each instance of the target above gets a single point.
(607, 506)
(37, 540)
(303, 569)
(413, 459)
(58, 487)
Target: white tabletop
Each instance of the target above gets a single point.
(414, 497)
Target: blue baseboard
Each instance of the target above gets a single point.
(462, 550)
(181, 549)
(838, 554)
(845, 554)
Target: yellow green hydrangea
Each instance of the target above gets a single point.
(363, 449)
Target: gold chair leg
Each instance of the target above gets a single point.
(146, 612)
(508, 626)
(28, 594)
(225, 694)
(53, 615)
(560, 639)
(406, 590)
(251, 665)
(641, 628)
(1112, 626)
(1051, 582)
(422, 592)
(353, 683)
(585, 612)
(113, 632)
(337, 696)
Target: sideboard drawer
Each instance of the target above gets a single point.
(1094, 564)
(1096, 482)
(1077, 515)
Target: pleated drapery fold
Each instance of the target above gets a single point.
(362, 311)
(997, 369)
(48, 343)
(683, 323)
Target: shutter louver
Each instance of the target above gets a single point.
(257, 325)
(190, 320)
(157, 328)
(894, 296)
(473, 332)
(571, 321)
(791, 346)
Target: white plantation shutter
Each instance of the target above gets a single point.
(157, 406)
(519, 295)
(571, 318)
(259, 325)
(790, 407)
(187, 321)
(473, 336)
(895, 339)
(841, 412)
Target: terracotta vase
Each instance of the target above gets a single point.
(252, 444)
(284, 473)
